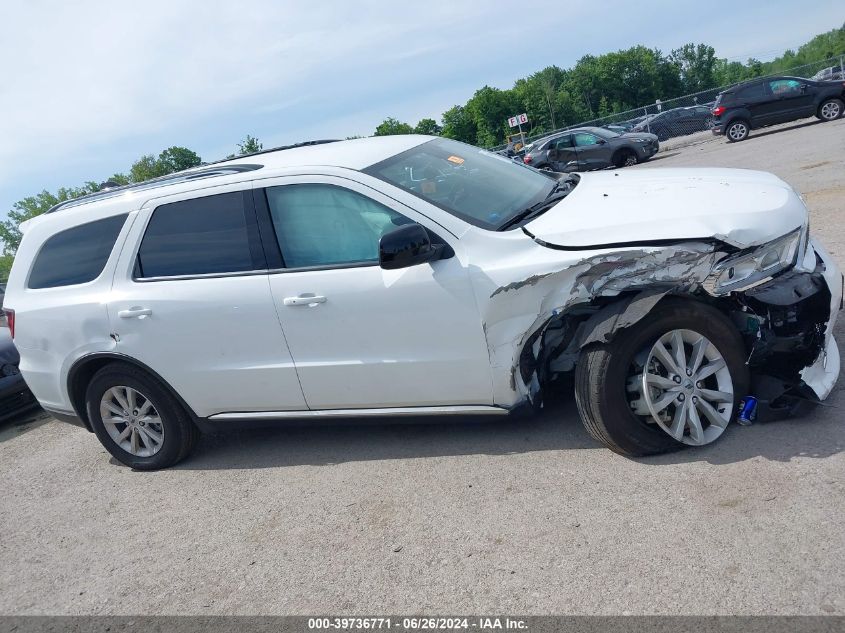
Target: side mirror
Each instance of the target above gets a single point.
(602, 141)
(405, 246)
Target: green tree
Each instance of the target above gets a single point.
(250, 145)
(697, 65)
(171, 160)
(145, 168)
(33, 206)
(427, 126)
(391, 126)
(458, 125)
(490, 109)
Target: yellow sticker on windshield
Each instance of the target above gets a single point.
(456, 159)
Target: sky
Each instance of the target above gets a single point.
(88, 87)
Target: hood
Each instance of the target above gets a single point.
(738, 206)
(641, 134)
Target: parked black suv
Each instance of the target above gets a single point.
(771, 100)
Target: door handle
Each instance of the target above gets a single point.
(304, 300)
(134, 312)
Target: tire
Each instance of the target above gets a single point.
(831, 109)
(603, 376)
(737, 130)
(625, 158)
(177, 431)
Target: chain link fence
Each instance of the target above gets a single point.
(688, 114)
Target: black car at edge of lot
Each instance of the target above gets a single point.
(772, 100)
(15, 396)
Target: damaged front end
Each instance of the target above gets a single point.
(787, 323)
(785, 316)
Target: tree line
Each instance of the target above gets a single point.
(596, 86)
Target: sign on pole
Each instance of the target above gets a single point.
(517, 121)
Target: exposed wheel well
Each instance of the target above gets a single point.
(83, 370)
(563, 336)
(621, 153)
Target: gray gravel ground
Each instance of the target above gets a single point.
(520, 516)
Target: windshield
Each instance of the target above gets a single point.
(473, 184)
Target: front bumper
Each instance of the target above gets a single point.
(822, 375)
(794, 315)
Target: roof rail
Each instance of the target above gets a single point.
(180, 176)
(206, 170)
(277, 149)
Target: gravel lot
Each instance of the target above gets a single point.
(521, 516)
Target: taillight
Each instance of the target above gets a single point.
(718, 110)
(10, 319)
(526, 159)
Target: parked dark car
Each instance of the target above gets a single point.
(761, 102)
(587, 148)
(15, 396)
(676, 122)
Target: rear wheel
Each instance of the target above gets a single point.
(831, 110)
(673, 379)
(737, 131)
(137, 419)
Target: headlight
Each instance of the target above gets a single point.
(641, 140)
(756, 266)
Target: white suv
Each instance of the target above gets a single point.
(414, 275)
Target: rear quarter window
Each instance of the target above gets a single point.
(76, 255)
(755, 91)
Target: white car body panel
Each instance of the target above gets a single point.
(443, 336)
(416, 329)
(215, 340)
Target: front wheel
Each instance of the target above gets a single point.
(625, 158)
(137, 419)
(831, 110)
(673, 379)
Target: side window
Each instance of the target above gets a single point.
(77, 255)
(754, 91)
(785, 87)
(583, 139)
(324, 225)
(215, 234)
(562, 143)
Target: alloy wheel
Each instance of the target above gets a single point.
(630, 160)
(737, 131)
(830, 111)
(131, 420)
(684, 386)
